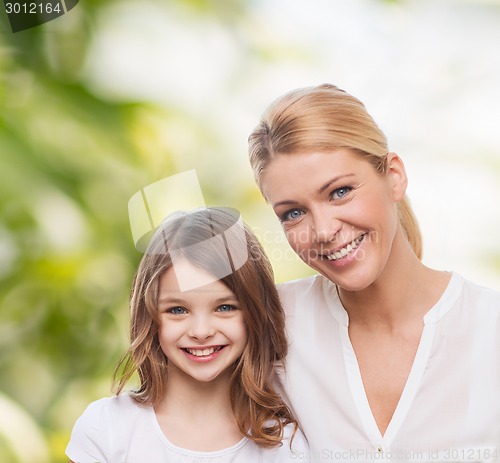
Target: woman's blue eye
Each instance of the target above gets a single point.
(340, 193)
(177, 310)
(293, 214)
(226, 308)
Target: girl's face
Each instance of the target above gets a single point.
(338, 213)
(202, 331)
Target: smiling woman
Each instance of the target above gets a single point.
(207, 334)
(403, 360)
(341, 213)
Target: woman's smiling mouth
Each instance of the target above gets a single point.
(346, 250)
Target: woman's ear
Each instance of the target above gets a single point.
(396, 173)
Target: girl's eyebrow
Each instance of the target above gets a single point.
(176, 300)
(229, 298)
(172, 300)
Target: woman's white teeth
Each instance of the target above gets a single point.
(346, 249)
(203, 352)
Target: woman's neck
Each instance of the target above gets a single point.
(404, 292)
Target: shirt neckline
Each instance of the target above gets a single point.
(436, 313)
(193, 453)
(433, 315)
(448, 298)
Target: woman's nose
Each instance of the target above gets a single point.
(325, 227)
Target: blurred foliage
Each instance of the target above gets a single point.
(69, 162)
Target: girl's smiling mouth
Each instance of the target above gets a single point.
(205, 353)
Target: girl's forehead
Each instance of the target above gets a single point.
(201, 282)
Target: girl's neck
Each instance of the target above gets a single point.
(197, 415)
(186, 394)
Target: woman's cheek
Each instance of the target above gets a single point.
(299, 237)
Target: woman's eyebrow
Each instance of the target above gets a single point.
(286, 202)
(326, 185)
(321, 189)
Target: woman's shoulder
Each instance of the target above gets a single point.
(304, 287)
(463, 300)
(481, 296)
(313, 290)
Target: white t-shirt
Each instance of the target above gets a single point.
(119, 430)
(450, 407)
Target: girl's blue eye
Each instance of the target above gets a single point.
(340, 193)
(292, 214)
(226, 308)
(177, 310)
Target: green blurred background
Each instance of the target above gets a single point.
(116, 95)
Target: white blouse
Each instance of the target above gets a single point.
(449, 410)
(119, 430)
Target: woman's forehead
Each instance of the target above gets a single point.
(287, 172)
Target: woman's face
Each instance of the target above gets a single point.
(339, 215)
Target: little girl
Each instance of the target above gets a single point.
(207, 333)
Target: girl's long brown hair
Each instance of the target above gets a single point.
(259, 410)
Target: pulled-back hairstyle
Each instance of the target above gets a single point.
(324, 118)
(260, 412)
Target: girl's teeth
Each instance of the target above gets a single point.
(202, 352)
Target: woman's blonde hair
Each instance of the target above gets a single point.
(259, 410)
(324, 118)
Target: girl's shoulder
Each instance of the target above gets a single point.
(295, 435)
(293, 446)
(113, 409)
(105, 426)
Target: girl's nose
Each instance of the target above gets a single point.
(201, 328)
